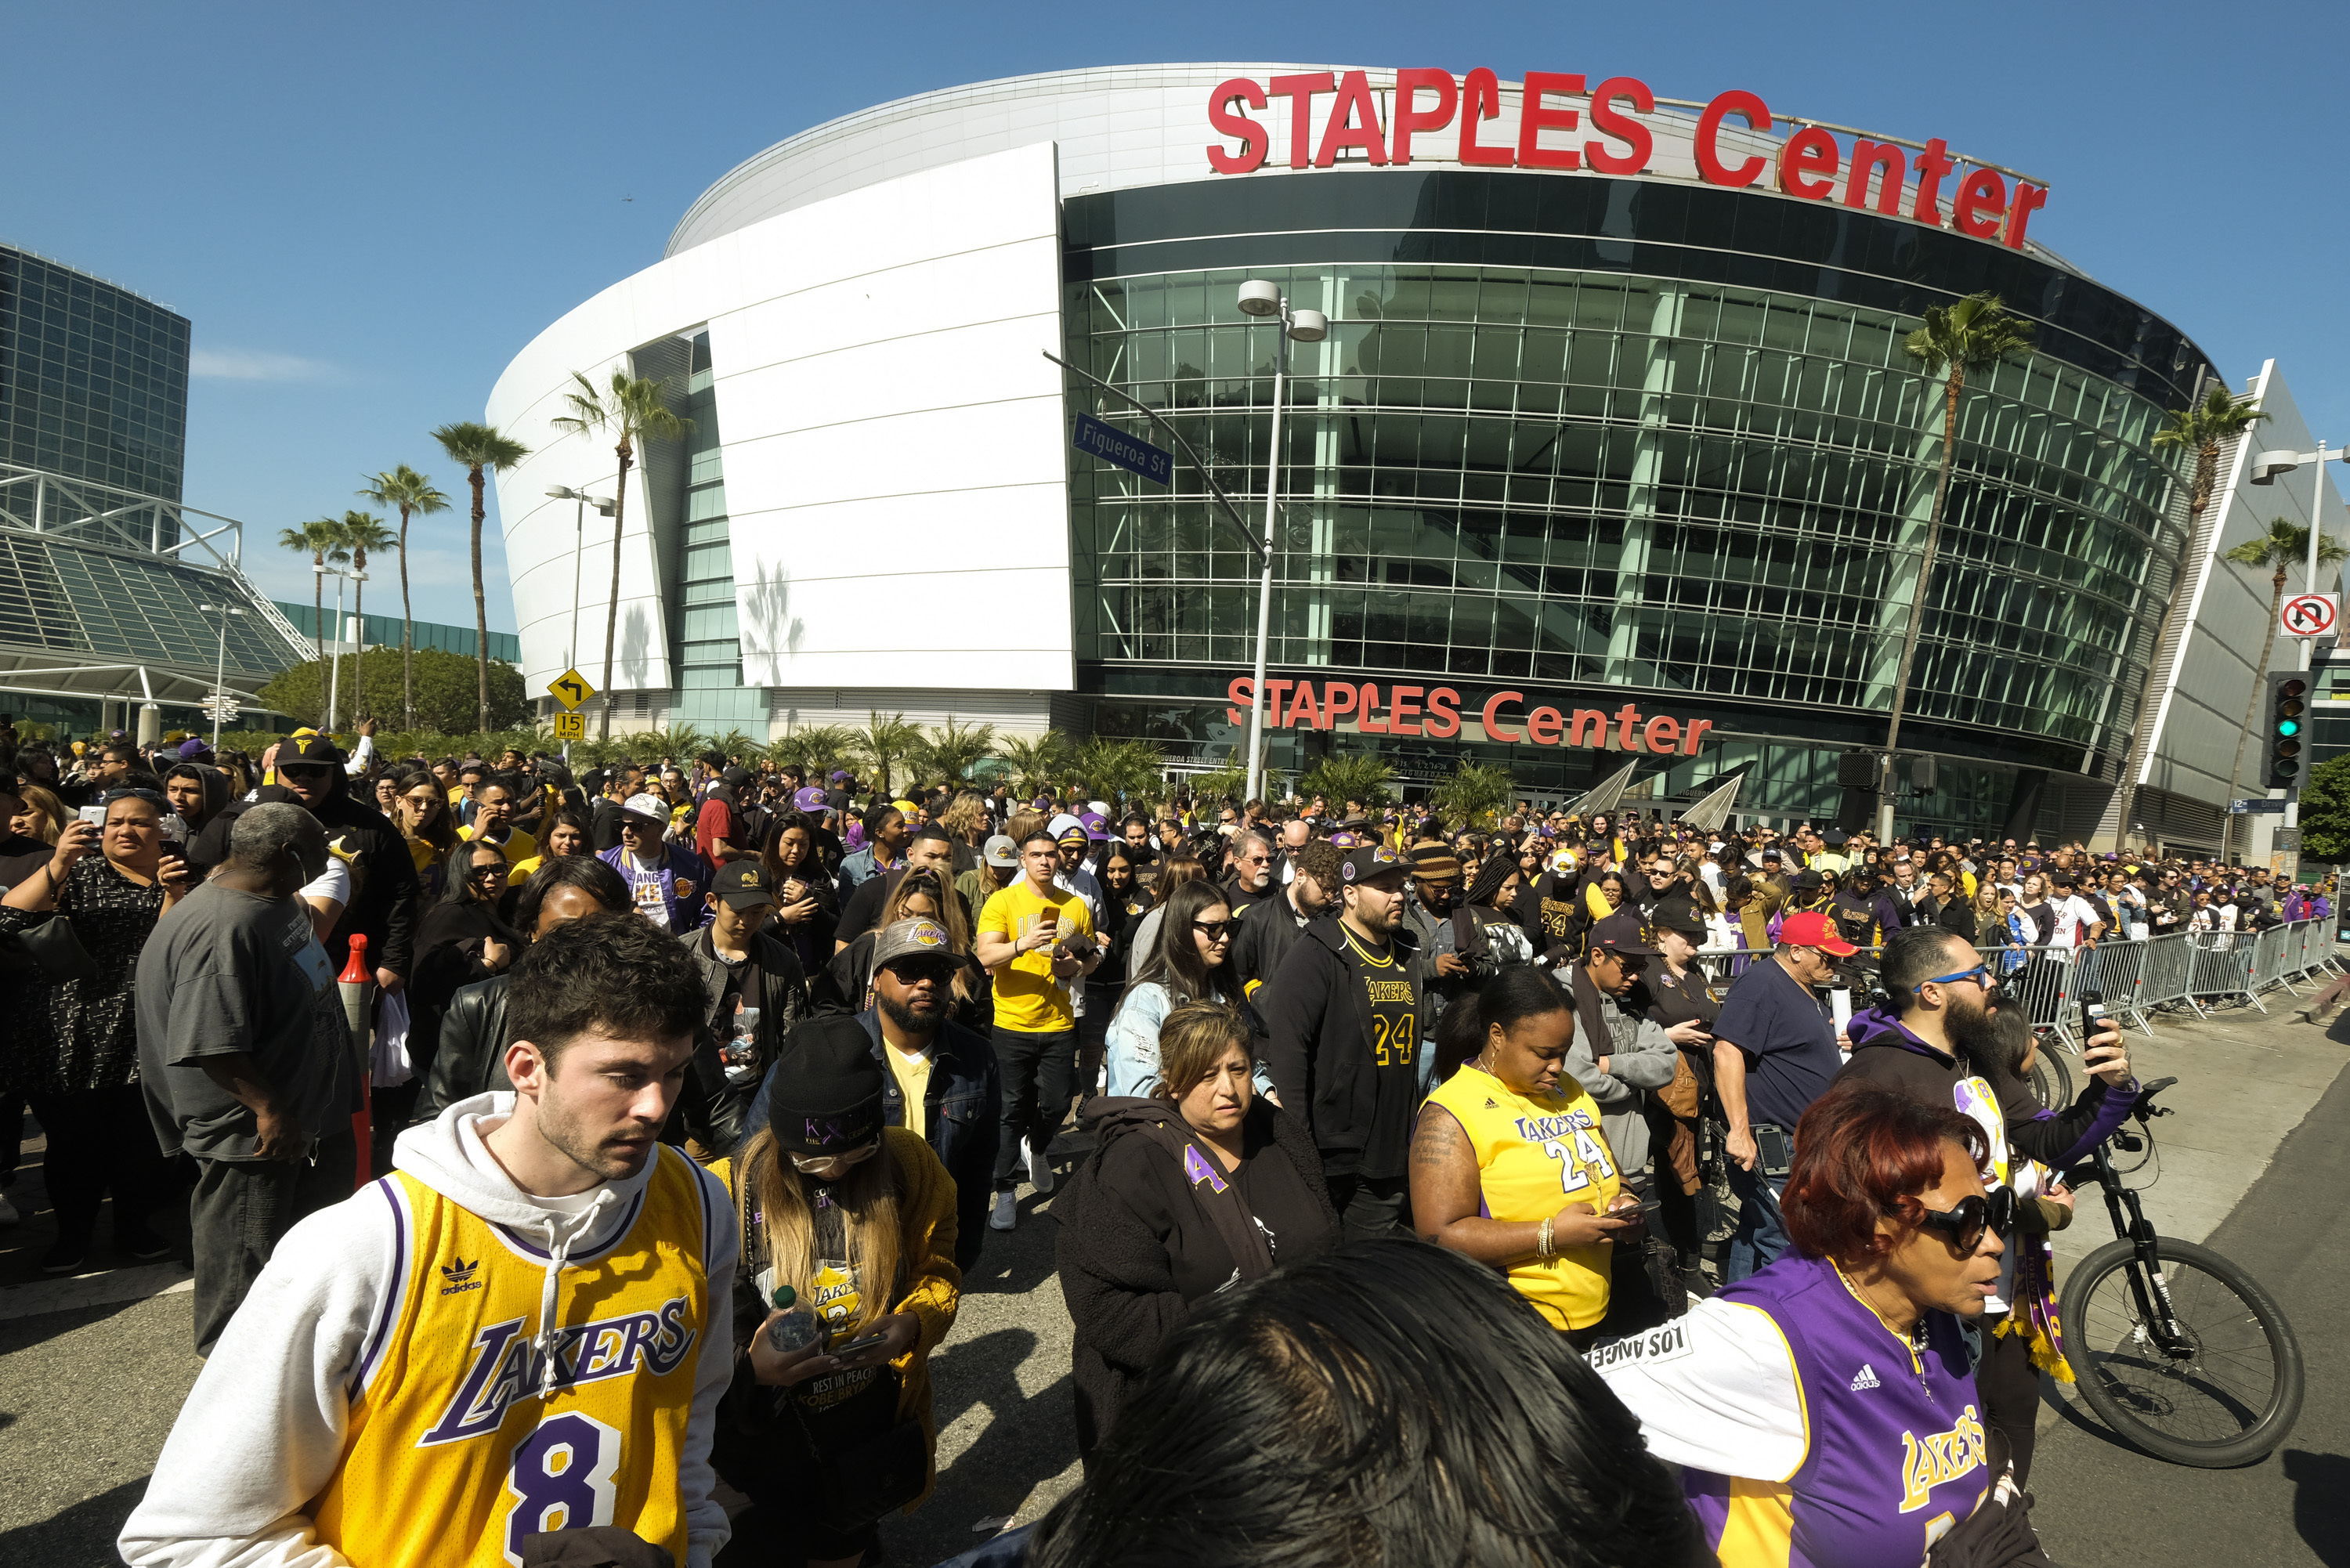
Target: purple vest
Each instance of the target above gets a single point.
(1897, 1452)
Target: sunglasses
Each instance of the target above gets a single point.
(1980, 974)
(913, 971)
(1213, 929)
(489, 868)
(1964, 1225)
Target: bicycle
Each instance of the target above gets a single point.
(2177, 1349)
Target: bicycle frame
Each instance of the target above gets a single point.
(2131, 1225)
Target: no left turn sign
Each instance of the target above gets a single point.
(2307, 615)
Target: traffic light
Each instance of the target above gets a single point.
(2288, 728)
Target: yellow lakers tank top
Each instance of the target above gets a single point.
(453, 1455)
(1535, 1156)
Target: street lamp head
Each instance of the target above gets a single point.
(603, 503)
(1308, 326)
(2269, 464)
(1259, 297)
(561, 492)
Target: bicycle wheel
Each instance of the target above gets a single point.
(2232, 1394)
(2052, 1080)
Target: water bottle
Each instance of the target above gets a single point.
(797, 1328)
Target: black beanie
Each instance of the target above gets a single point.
(827, 1097)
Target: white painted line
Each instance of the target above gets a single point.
(103, 1288)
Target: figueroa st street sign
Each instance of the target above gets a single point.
(1435, 711)
(1621, 138)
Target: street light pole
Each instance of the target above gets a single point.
(220, 665)
(581, 501)
(1258, 298)
(2265, 468)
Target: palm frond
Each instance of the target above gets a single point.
(1343, 776)
(471, 444)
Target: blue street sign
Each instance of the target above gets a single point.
(1114, 445)
(2254, 808)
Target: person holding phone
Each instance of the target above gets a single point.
(1501, 1141)
(73, 1051)
(857, 1218)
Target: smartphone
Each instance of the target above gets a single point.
(1773, 1152)
(1640, 1210)
(1048, 919)
(93, 815)
(857, 1346)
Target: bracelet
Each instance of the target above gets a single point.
(1542, 1239)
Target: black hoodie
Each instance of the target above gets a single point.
(1320, 1047)
(1885, 1053)
(215, 787)
(383, 875)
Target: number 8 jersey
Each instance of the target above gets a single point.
(463, 1440)
(1535, 1155)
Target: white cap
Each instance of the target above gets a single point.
(648, 804)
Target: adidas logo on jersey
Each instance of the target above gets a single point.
(1864, 1379)
(460, 1275)
(1490, 1105)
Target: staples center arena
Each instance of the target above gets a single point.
(1611, 445)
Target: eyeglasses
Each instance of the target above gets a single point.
(1980, 974)
(1964, 1225)
(1213, 929)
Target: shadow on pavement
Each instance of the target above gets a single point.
(2319, 1484)
(81, 1536)
(1029, 1438)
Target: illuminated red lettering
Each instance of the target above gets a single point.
(1590, 728)
(1626, 717)
(1242, 695)
(1347, 129)
(1607, 121)
(1229, 121)
(1661, 734)
(1302, 707)
(1492, 715)
(1331, 707)
(1367, 711)
(1542, 726)
(1709, 166)
(1481, 99)
(1867, 157)
(1533, 119)
(1404, 705)
(2029, 199)
(1300, 90)
(1932, 167)
(1982, 196)
(1809, 151)
(1696, 732)
(1443, 713)
(1408, 118)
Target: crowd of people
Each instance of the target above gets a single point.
(688, 1091)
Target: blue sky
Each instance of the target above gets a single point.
(367, 211)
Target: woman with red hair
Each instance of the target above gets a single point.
(1824, 1409)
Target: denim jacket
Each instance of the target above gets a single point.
(1130, 1052)
(962, 1120)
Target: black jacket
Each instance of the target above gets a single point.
(1889, 1056)
(963, 1121)
(712, 1108)
(1262, 939)
(1117, 1274)
(471, 1058)
(1319, 1053)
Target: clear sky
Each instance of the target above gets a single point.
(367, 211)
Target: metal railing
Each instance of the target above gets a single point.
(2191, 971)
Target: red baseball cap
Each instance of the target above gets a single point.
(1812, 928)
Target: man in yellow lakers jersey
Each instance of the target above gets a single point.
(523, 1328)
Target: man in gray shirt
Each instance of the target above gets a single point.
(246, 1057)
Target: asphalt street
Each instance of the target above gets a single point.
(93, 1370)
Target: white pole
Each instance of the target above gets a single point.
(2309, 644)
(220, 676)
(1264, 589)
(578, 538)
(335, 683)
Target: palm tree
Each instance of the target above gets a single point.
(474, 447)
(886, 742)
(2202, 430)
(2286, 544)
(952, 750)
(410, 493)
(1957, 341)
(1473, 795)
(314, 539)
(362, 532)
(1033, 760)
(631, 409)
(1343, 776)
(814, 748)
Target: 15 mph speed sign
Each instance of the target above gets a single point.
(2307, 615)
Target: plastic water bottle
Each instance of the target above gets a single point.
(797, 1328)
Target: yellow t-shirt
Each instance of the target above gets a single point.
(913, 1075)
(1028, 1000)
(1535, 1156)
(519, 846)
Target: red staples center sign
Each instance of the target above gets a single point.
(1621, 138)
(1434, 711)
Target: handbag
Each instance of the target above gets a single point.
(46, 945)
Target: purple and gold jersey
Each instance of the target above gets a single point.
(1810, 1435)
